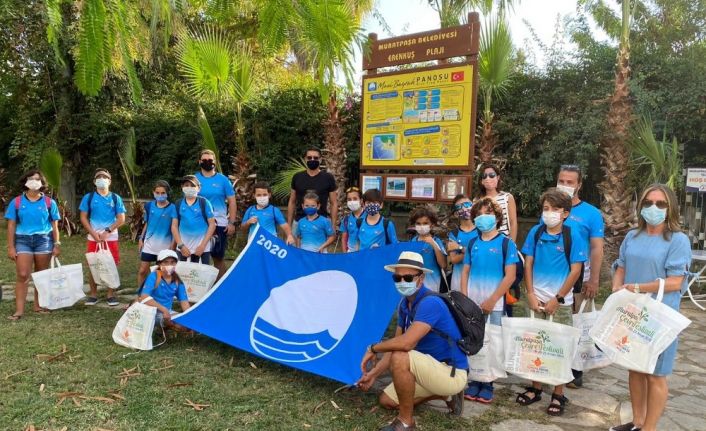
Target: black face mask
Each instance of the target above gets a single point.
(313, 164)
(207, 165)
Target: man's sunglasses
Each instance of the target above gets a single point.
(407, 277)
(663, 205)
(489, 175)
(466, 205)
(313, 157)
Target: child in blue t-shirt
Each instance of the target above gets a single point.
(266, 215)
(459, 238)
(373, 230)
(349, 223)
(424, 219)
(157, 232)
(195, 223)
(554, 254)
(314, 232)
(488, 272)
(162, 286)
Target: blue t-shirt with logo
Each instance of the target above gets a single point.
(370, 236)
(192, 226)
(462, 238)
(313, 233)
(104, 212)
(158, 233)
(349, 226)
(431, 280)
(434, 312)
(268, 218)
(164, 293)
(550, 268)
(488, 268)
(35, 218)
(217, 189)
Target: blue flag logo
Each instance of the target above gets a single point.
(311, 311)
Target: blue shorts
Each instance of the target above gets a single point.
(220, 242)
(148, 257)
(665, 362)
(40, 243)
(205, 258)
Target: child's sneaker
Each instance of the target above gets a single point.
(471, 391)
(91, 301)
(485, 395)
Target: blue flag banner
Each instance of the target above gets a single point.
(311, 311)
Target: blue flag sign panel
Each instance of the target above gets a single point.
(311, 311)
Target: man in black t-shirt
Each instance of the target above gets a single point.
(318, 181)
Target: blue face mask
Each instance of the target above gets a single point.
(406, 288)
(653, 215)
(485, 222)
(310, 210)
(160, 198)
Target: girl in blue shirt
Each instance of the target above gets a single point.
(32, 235)
(459, 238)
(265, 214)
(157, 232)
(424, 219)
(314, 232)
(656, 249)
(162, 286)
(354, 202)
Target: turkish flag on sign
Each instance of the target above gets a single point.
(457, 76)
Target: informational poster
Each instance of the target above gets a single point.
(371, 182)
(696, 180)
(423, 188)
(396, 187)
(418, 119)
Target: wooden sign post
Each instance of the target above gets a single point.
(420, 118)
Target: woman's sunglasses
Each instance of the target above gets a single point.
(466, 205)
(407, 277)
(660, 204)
(489, 175)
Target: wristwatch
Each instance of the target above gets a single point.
(371, 349)
(108, 229)
(637, 287)
(180, 246)
(559, 299)
(57, 242)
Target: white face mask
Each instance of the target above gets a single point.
(422, 229)
(566, 189)
(262, 201)
(354, 205)
(33, 185)
(168, 269)
(102, 183)
(551, 218)
(190, 192)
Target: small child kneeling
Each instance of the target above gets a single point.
(162, 286)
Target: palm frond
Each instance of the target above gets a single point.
(495, 59)
(282, 184)
(127, 157)
(209, 143)
(92, 50)
(243, 78)
(50, 164)
(276, 18)
(205, 60)
(659, 159)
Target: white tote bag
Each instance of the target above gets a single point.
(134, 329)
(488, 364)
(197, 277)
(587, 356)
(103, 268)
(539, 350)
(59, 286)
(634, 329)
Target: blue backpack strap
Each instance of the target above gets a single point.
(566, 234)
(90, 205)
(115, 203)
(202, 205)
(178, 209)
(385, 224)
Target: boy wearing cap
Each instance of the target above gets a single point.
(424, 366)
(102, 213)
(195, 223)
(162, 286)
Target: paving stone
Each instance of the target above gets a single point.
(583, 420)
(675, 381)
(689, 422)
(593, 400)
(523, 425)
(615, 372)
(472, 409)
(689, 368)
(685, 403)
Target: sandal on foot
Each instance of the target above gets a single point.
(42, 311)
(523, 399)
(14, 317)
(557, 409)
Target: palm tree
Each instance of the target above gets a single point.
(453, 12)
(658, 160)
(127, 154)
(615, 154)
(50, 164)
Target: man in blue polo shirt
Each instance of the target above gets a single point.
(424, 366)
(217, 188)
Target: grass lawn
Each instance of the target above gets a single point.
(82, 389)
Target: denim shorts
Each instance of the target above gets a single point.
(40, 243)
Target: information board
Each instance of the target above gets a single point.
(418, 119)
(696, 180)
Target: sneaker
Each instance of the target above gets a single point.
(625, 427)
(455, 404)
(112, 301)
(398, 425)
(485, 395)
(471, 392)
(91, 301)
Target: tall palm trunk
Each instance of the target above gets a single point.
(242, 166)
(335, 148)
(488, 140)
(615, 155)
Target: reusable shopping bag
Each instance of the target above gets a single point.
(588, 356)
(103, 268)
(197, 277)
(539, 350)
(134, 329)
(488, 364)
(634, 329)
(59, 286)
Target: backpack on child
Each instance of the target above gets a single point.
(385, 224)
(18, 203)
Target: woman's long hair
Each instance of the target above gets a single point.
(671, 221)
